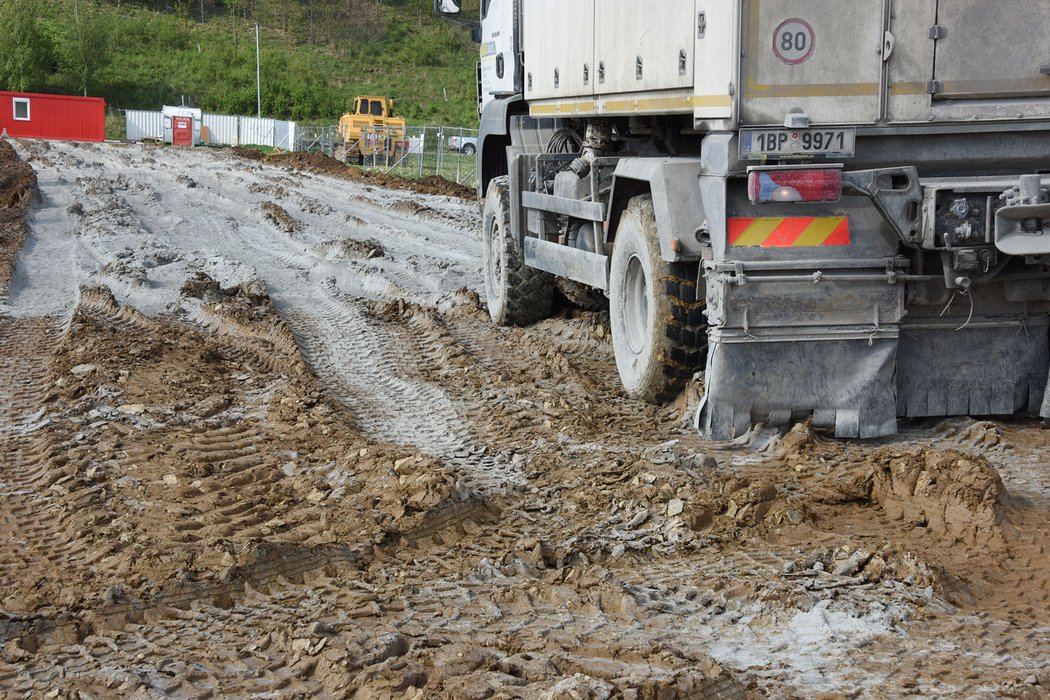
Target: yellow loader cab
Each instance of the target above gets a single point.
(370, 129)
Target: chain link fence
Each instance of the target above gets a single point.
(318, 139)
(414, 151)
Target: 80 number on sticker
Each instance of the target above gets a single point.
(793, 41)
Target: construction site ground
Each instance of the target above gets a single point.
(258, 438)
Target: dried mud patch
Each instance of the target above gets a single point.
(18, 189)
(942, 514)
(463, 303)
(248, 153)
(279, 217)
(350, 248)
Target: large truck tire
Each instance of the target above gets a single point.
(517, 294)
(657, 321)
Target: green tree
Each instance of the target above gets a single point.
(182, 9)
(232, 5)
(25, 48)
(83, 48)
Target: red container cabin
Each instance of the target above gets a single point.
(59, 117)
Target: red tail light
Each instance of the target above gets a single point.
(795, 185)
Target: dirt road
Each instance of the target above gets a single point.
(258, 438)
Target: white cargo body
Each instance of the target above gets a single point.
(738, 63)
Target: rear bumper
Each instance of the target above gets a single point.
(858, 335)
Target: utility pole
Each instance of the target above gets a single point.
(258, 72)
(76, 23)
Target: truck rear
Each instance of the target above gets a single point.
(833, 209)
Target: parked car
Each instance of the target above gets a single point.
(467, 145)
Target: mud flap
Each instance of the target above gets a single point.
(1044, 412)
(993, 367)
(845, 384)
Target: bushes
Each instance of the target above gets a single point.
(152, 58)
(26, 47)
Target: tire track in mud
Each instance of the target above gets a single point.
(547, 382)
(360, 364)
(423, 416)
(355, 358)
(33, 536)
(236, 474)
(227, 475)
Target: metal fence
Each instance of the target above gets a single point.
(414, 151)
(141, 125)
(218, 129)
(316, 138)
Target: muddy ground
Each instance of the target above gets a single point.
(326, 165)
(17, 191)
(258, 439)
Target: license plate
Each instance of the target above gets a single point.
(757, 144)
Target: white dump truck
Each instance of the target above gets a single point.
(834, 209)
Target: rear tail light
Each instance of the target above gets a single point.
(795, 185)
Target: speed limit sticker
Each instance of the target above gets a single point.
(793, 41)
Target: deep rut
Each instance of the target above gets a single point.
(32, 535)
(358, 361)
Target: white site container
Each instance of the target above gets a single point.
(182, 125)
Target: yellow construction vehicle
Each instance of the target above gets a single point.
(370, 130)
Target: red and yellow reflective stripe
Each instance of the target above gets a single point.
(789, 232)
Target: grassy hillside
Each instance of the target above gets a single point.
(311, 66)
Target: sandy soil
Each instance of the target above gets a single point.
(258, 439)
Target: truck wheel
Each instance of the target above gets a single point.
(469, 150)
(657, 321)
(517, 294)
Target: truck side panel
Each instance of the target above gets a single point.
(659, 53)
(910, 65)
(895, 61)
(718, 36)
(992, 49)
(558, 41)
(498, 56)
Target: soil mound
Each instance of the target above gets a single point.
(956, 496)
(326, 165)
(310, 162)
(18, 186)
(279, 217)
(249, 153)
